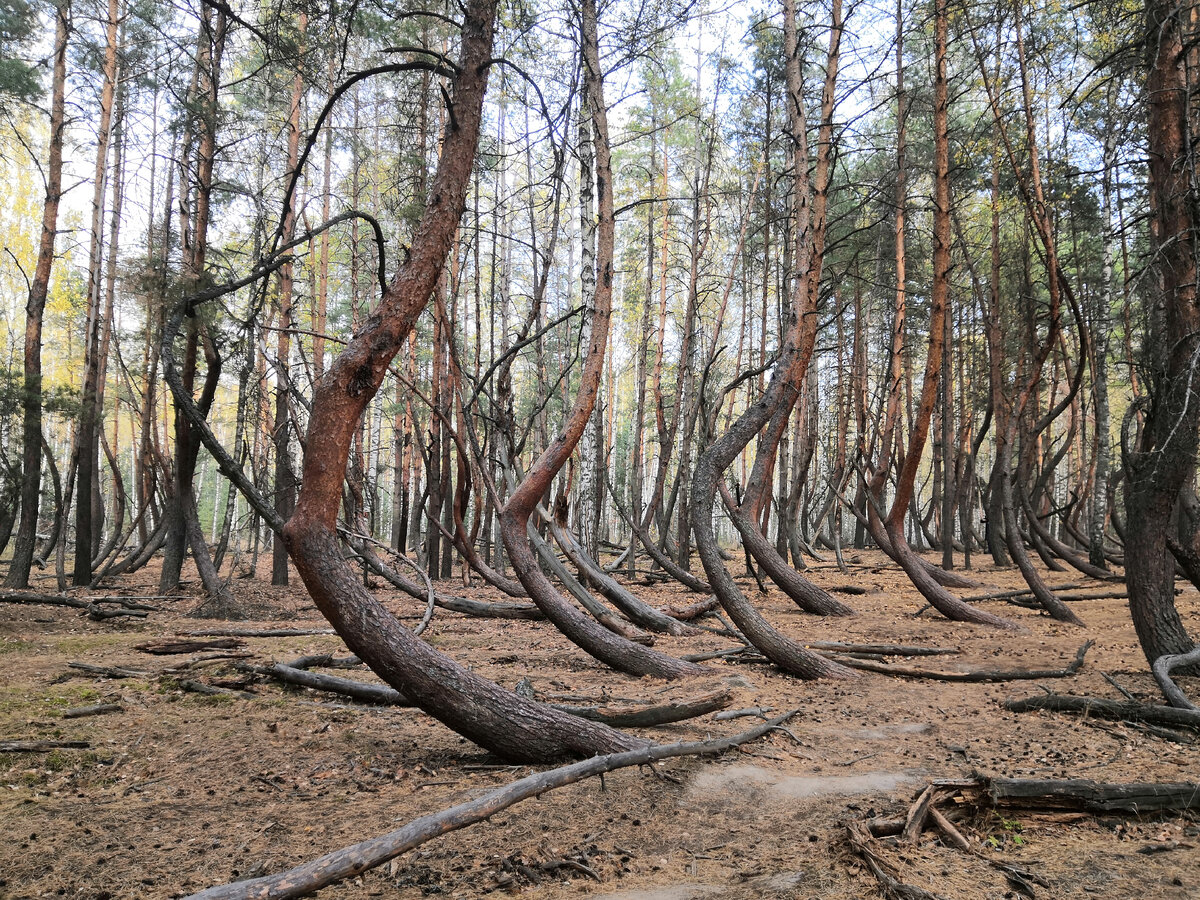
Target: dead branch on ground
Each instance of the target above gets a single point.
(971, 677)
(1168, 716)
(358, 858)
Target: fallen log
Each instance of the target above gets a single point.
(1088, 796)
(107, 671)
(646, 717)
(1169, 716)
(171, 648)
(693, 610)
(41, 746)
(99, 613)
(358, 858)
(91, 606)
(973, 676)
(96, 709)
(257, 632)
(359, 690)
(324, 661)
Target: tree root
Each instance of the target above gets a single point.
(1162, 674)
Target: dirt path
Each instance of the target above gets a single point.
(177, 791)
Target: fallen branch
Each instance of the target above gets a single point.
(358, 858)
(883, 649)
(96, 709)
(972, 677)
(258, 633)
(1169, 716)
(41, 746)
(170, 648)
(107, 671)
(861, 841)
(209, 690)
(645, 717)
(359, 690)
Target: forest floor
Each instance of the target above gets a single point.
(177, 791)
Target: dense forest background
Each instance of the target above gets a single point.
(905, 276)
(835, 363)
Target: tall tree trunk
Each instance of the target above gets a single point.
(637, 463)
(949, 605)
(87, 438)
(35, 305)
(806, 251)
(1098, 514)
(285, 478)
(1165, 456)
(193, 226)
(585, 512)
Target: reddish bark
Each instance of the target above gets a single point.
(781, 650)
(508, 725)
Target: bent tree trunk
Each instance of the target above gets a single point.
(1166, 453)
(504, 723)
(945, 602)
(806, 595)
(781, 650)
(601, 643)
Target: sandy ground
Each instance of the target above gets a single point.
(178, 791)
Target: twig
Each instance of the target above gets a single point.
(1120, 687)
(862, 842)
